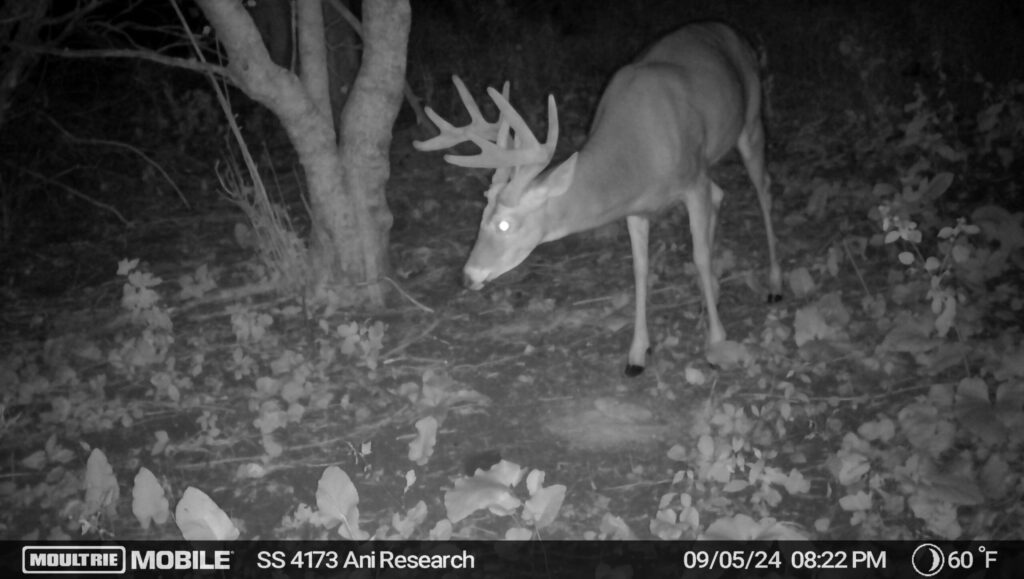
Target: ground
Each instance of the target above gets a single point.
(848, 410)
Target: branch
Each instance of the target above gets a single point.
(116, 144)
(75, 193)
(410, 97)
(345, 13)
(187, 64)
(78, 13)
(313, 53)
(249, 64)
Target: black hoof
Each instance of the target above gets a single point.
(774, 298)
(632, 370)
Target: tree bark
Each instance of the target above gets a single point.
(346, 177)
(367, 121)
(342, 58)
(313, 53)
(274, 20)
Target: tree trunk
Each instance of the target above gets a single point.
(342, 58)
(345, 177)
(367, 121)
(274, 20)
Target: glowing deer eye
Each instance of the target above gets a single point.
(504, 225)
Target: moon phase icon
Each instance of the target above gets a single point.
(928, 560)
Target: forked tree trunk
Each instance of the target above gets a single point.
(274, 20)
(342, 57)
(366, 123)
(346, 176)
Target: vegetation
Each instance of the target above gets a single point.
(882, 398)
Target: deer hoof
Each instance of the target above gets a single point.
(632, 370)
(774, 298)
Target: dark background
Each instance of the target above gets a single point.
(823, 58)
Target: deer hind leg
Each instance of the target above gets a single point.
(702, 207)
(639, 227)
(751, 147)
(716, 201)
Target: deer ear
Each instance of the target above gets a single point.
(560, 179)
(553, 184)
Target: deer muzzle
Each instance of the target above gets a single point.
(474, 278)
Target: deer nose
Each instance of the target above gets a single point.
(469, 281)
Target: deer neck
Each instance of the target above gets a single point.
(603, 190)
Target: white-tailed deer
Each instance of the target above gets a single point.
(663, 121)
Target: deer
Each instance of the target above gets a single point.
(662, 122)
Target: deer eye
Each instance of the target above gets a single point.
(504, 225)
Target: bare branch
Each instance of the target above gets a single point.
(75, 193)
(410, 97)
(78, 13)
(347, 15)
(116, 144)
(187, 64)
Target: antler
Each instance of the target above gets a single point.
(518, 164)
(452, 135)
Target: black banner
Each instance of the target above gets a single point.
(597, 559)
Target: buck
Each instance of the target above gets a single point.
(662, 122)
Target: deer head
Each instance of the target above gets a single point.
(508, 229)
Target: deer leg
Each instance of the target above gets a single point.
(716, 202)
(699, 206)
(751, 147)
(639, 227)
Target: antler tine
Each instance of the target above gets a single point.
(504, 90)
(492, 156)
(540, 155)
(517, 162)
(552, 141)
(452, 135)
(479, 123)
(528, 150)
(524, 135)
(501, 175)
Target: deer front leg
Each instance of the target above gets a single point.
(639, 228)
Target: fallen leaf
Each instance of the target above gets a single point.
(422, 447)
(490, 489)
(800, 282)
(338, 501)
(149, 504)
(101, 489)
(728, 354)
(542, 508)
(200, 519)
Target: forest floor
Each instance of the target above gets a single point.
(848, 410)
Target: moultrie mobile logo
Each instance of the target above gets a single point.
(68, 559)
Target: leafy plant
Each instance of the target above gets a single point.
(141, 300)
